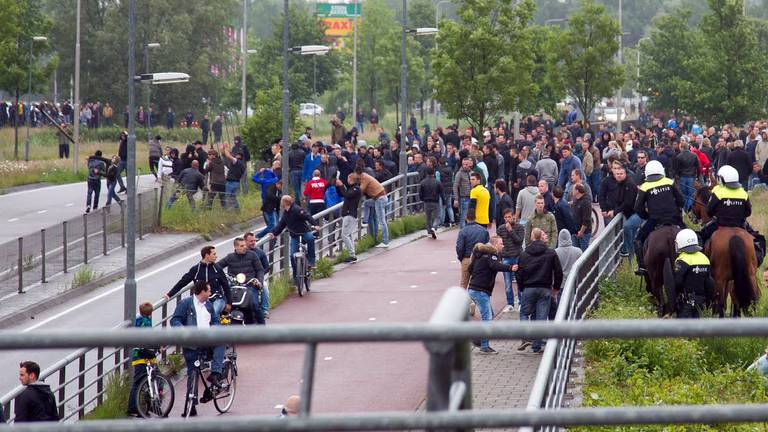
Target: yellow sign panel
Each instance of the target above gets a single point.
(338, 26)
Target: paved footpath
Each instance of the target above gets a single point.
(403, 284)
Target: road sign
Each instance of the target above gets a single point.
(338, 10)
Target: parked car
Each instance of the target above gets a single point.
(308, 109)
(611, 114)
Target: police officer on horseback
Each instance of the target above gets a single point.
(660, 203)
(693, 280)
(729, 206)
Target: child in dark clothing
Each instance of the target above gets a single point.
(140, 357)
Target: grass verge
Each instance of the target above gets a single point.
(84, 275)
(207, 223)
(115, 405)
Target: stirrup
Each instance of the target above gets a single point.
(640, 271)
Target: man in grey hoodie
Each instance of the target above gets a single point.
(566, 252)
(526, 201)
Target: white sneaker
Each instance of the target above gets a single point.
(517, 308)
(382, 245)
(508, 308)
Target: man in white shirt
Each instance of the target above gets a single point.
(197, 311)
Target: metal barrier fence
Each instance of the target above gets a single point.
(580, 293)
(61, 248)
(82, 375)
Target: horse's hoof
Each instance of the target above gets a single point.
(667, 316)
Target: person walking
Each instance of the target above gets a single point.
(544, 220)
(567, 253)
(97, 169)
(512, 235)
(461, 189)
(479, 199)
(112, 181)
(470, 235)
(214, 168)
(190, 180)
(526, 201)
(36, 403)
(122, 151)
(352, 195)
(270, 206)
(236, 171)
(539, 277)
(430, 191)
(483, 266)
(63, 142)
(504, 202)
(582, 214)
(155, 153)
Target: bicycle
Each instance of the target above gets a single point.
(224, 396)
(155, 396)
(302, 275)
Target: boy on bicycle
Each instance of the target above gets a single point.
(140, 357)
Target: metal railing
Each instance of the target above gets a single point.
(82, 374)
(579, 295)
(61, 248)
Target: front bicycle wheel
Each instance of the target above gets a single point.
(155, 398)
(301, 272)
(226, 396)
(190, 403)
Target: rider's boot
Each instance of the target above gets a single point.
(192, 413)
(640, 271)
(214, 379)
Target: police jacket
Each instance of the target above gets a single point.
(692, 274)
(731, 207)
(659, 200)
(483, 268)
(211, 273)
(686, 164)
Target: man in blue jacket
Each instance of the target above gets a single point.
(470, 235)
(568, 164)
(311, 162)
(197, 311)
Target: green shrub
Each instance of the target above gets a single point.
(205, 222)
(323, 269)
(116, 391)
(280, 287)
(83, 275)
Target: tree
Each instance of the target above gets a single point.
(587, 48)
(421, 13)
(305, 29)
(266, 123)
(662, 67)
(550, 89)
(484, 61)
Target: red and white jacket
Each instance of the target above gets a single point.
(314, 190)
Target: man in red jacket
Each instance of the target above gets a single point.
(314, 191)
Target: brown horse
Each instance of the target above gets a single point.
(734, 265)
(659, 254)
(700, 200)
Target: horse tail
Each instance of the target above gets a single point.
(742, 284)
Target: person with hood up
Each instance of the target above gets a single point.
(37, 402)
(483, 266)
(526, 201)
(567, 253)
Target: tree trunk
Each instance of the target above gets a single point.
(16, 127)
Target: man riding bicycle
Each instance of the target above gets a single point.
(197, 311)
(297, 220)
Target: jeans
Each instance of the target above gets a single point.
(446, 202)
(754, 180)
(463, 209)
(594, 183)
(296, 183)
(192, 354)
(630, 228)
(94, 190)
(536, 302)
(121, 166)
(175, 196)
(348, 227)
(686, 187)
(483, 302)
(380, 206)
(583, 242)
(219, 190)
(270, 218)
(431, 209)
(111, 192)
(360, 127)
(310, 240)
(231, 189)
(508, 276)
(265, 296)
(218, 306)
(257, 306)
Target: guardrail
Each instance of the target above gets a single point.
(579, 295)
(82, 374)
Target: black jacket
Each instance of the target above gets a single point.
(351, 196)
(272, 199)
(582, 213)
(248, 263)
(505, 202)
(192, 180)
(430, 190)
(211, 273)
(686, 164)
(296, 159)
(619, 197)
(539, 267)
(739, 159)
(36, 403)
(296, 219)
(483, 268)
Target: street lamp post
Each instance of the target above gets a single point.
(437, 26)
(286, 144)
(621, 60)
(354, 65)
(29, 92)
(314, 51)
(147, 115)
(76, 101)
(244, 54)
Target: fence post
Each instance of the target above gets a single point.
(140, 217)
(21, 265)
(64, 246)
(404, 195)
(42, 254)
(156, 200)
(308, 375)
(104, 229)
(100, 373)
(360, 220)
(122, 224)
(85, 238)
(81, 388)
(62, 390)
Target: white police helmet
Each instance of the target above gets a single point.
(687, 241)
(728, 176)
(654, 167)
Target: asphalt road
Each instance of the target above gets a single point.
(29, 211)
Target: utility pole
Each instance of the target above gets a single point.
(129, 292)
(286, 137)
(76, 100)
(354, 66)
(403, 92)
(619, 105)
(243, 54)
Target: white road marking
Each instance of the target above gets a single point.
(279, 406)
(414, 286)
(42, 211)
(393, 302)
(119, 286)
(432, 272)
(372, 319)
(69, 205)
(453, 261)
(13, 219)
(327, 358)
